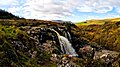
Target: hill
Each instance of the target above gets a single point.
(105, 34)
(97, 22)
(6, 15)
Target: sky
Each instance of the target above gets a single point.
(67, 10)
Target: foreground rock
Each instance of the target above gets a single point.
(86, 52)
(106, 58)
(65, 60)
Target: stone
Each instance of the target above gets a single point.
(86, 52)
(54, 58)
(34, 54)
(106, 56)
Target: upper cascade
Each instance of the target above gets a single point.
(65, 45)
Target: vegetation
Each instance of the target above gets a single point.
(97, 22)
(106, 34)
(30, 43)
(6, 15)
(16, 48)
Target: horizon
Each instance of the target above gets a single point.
(66, 10)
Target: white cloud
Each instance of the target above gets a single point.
(8, 2)
(97, 6)
(85, 8)
(52, 9)
(103, 9)
(13, 9)
(47, 8)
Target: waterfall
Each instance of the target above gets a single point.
(65, 45)
(67, 35)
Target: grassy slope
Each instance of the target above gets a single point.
(97, 22)
(107, 33)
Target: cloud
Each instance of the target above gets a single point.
(99, 6)
(96, 6)
(85, 8)
(103, 9)
(55, 9)
(102, 17)
(47, 8)
(8, 2)
(13, 9)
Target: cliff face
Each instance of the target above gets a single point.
(32, 43)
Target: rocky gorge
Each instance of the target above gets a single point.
(37, 43)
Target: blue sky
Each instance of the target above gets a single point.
(69, 10)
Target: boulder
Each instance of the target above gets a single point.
(106, 58)
(106, 55)
(86, 52)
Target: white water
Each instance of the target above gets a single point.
(65, 45)
(69, 36)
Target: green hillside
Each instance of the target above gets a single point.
(105, 34)
(97, 22)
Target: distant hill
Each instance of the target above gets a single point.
(7, 15)
(97, 22)
(61, 21)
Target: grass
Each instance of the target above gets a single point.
(91, 22)
(97, 22)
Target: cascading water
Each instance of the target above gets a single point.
(65, 45)
(69, 36)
